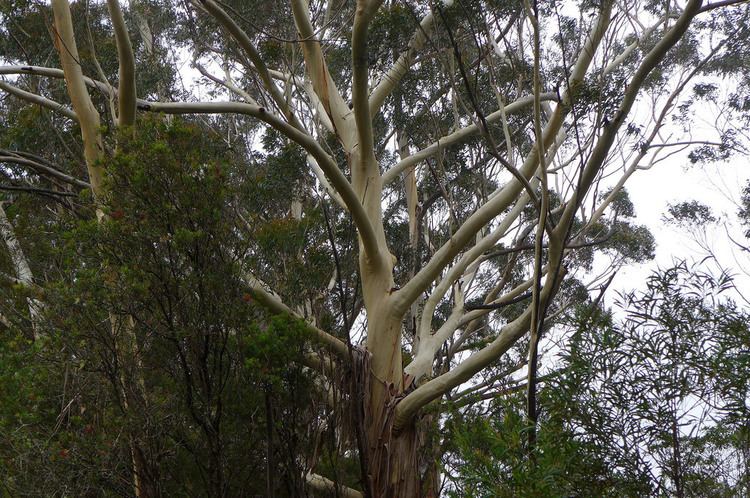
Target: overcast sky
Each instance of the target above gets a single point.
(717, 185)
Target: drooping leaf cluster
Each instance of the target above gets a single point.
(650, 398)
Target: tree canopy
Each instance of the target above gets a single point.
(360, 248)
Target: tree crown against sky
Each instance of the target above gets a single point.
(420, 188)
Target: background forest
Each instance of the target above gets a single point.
(365, 248)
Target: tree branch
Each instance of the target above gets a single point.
(38, 100)
(718, 5)
(21, 266)
(392, 78)
(499, 304)
(126, 92)
(36, 190)
(361, 80)
(247, 45)
(273, 303)
(53, 72)
(325, 485)
(88, 117)
(458, 136)
(326, 163)
(226, 83)
(324, 86)
(5, 157)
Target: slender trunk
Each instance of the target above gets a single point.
(145, 479)
(23, 271)
(269, 446)
(144, 471)
(677, 461)
(411, 193)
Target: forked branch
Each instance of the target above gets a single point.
(273, 303)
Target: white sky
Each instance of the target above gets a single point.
(717, 185)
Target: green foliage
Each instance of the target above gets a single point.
(626, 385)
(671, 359)
(690, 213)
(201, 357)
(729, 145)
(744, 211)
(149, 329)
(495, 461)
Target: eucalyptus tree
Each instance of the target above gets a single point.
(464, 161)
